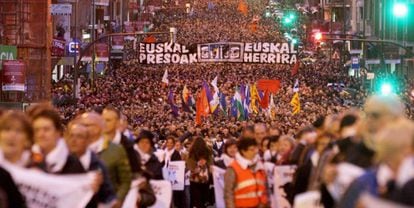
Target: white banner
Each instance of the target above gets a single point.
(310, 199)
(45, 190)
(282, 175)
(346, 173)
(175, 174)
(162, 190)
(218, 180)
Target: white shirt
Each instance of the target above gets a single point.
(245, 163)
(117, 138)
(97, 146)
(227, 160)
(85, 159)
(144, 156)
(168, 154)
(56, 159)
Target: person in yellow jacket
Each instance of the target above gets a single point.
(245, 179)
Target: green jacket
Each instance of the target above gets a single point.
(116, 160)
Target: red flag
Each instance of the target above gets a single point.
(264, 103)
(243, 8)
(202, 106)
(270, 85)
(253, 27)
(150, 39)
(295, 68)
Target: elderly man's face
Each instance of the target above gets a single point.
(77, 139)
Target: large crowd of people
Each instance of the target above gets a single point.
(125, 127)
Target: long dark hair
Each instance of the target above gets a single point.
(199, 149)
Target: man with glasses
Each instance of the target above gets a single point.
(113, 156)
(78, 140)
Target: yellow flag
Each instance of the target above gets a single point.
(254, 99)
(295, 102)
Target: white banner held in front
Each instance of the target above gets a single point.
(162, 190)
(175, 174)
(282, 175)
(218, 180)
(46, 190)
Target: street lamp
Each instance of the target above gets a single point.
(400, 10)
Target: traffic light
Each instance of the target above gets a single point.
(318, 36)
(387, 86)
(400, 10)
(289, 18)
(386, 89)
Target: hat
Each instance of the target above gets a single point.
(145, 134)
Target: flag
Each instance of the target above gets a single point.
(253, 27)
(208, 92)
(237, 106)
(214, 83)
(186, 94)
(202, 106)
(246, 102)
(271, 110)
(150, 39)
(296, 86)
(295, 68)
(243, 7)
(223, 104)
(254, 94)
(214, 103)
(270, 85)
(264, 102)
(186, 99)
(295, 102)
(174, 108)
(165, 78)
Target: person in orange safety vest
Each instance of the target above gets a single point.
(245, 179)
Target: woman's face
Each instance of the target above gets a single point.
(232, 150)
(274, 146)
(13, 139)
(284, 147)
(264, 144)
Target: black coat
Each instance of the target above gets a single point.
(218, 151)
(404, 195)
(297, 153)
(106, 192)
(10, 192)
(176, 156)
(72, 166)
(153, 167)
(132, 154)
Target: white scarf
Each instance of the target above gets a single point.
(227, 160)
(56, 159)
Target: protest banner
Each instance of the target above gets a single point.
(174, 173)
(43, 190)
(282, 175)
(162, 190)
(218, 180)
(163, 193)
(259, 52)
(346, 173)
(310, 199)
